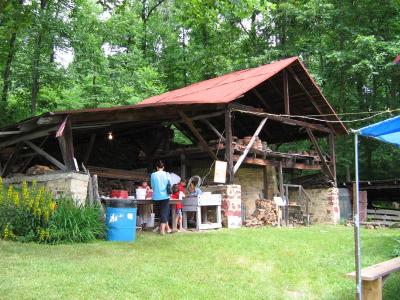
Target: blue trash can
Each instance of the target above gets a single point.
(121, 220)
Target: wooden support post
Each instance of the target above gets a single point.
(89, 149)
(196, 133)
(372, 290)
(320, 154)
(214, 129)
(11, 160)
(332, 153)
(95, 185)
(67, 148)
(183, 165)
(228, 145)
(281, 188)
(286, 92)
(249, 145)
(43, 153)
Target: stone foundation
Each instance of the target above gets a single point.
(69, 184)
(324, 205)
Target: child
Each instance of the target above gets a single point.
(179, 195)
(193, 190)
(145, 185)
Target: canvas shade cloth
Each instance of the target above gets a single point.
(387, 131)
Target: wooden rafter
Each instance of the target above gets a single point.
(46, 155)
(196, 133)
(262, 100)
(309, 96)
(27, 137)
(320, 154)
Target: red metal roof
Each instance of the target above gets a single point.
(221, 89)
(397, 60)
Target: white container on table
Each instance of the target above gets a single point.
(141, 194)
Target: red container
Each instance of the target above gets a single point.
(121, 194)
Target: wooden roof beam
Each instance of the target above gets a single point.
(284, 120)
(309, 96)
(196, 133)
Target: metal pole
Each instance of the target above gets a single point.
(357, 223)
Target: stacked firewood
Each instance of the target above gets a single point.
(265, 214)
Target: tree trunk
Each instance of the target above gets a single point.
(36, 59)
(7, 70)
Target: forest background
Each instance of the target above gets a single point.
(69, 54)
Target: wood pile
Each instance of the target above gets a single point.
(265, 214)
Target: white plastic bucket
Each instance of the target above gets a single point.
(150, 221)
(141, 194)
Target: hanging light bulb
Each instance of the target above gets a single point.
(110, 135)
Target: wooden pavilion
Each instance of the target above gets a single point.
(266, 102)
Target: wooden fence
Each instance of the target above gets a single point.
(385, 216)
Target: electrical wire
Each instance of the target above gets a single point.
(318, 119)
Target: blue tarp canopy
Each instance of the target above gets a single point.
(386, 131)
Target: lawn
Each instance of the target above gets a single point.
(265, 263)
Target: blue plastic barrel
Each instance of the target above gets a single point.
(121, 224)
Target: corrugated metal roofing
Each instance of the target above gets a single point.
(221, 89)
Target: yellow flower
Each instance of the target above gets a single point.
(16, 199)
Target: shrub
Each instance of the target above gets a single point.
(32, 214)
(72, 223)
(25, 214)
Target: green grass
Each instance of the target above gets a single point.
(266, 263)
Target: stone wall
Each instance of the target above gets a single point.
(70, 184)
(324, 205)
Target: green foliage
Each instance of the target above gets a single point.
(32, 214)
(125, 51)
(396, 251)
(25, 214)
(75, 224)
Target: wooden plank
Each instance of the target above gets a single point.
(384, 211)
(43, 153)
(280, 119)
(89, 149)
(286, 164)
(286, 92)
(67, 148)
(11, 160)
(196, 133)
(383, 218)
(249, 145)
(215, 130)
(228, 145)
(379, 270)
(117, 174)
(321, 156)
